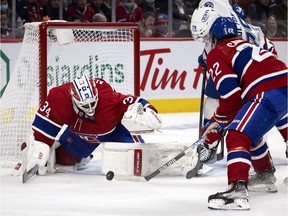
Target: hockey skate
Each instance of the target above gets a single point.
(235, 198)
(263, 181)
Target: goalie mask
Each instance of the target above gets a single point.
(84, 95)
(201, 22)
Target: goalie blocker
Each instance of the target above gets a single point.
(141, 159)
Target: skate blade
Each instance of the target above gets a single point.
(238, 204)
(271, 188)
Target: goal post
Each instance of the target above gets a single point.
(56, 52)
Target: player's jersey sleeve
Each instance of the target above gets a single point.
(226, 83)
(253, 34)
(112, 105)
(52, 114)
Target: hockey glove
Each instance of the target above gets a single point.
(152, 119)
(79, 146)
(138, 119)
(214, 133)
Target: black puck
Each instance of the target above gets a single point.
(110, 175)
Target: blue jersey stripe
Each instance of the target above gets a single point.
(242, 60)
(238, 154)
(43, 125)
(227, 85)
(259, 151)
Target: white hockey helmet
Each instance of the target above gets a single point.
(84, 94)
(201, 22)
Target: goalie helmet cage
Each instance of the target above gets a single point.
(56, 52)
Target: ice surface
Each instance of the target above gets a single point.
(89, 193)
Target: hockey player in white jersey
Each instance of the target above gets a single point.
(247, 31)
(201, 21)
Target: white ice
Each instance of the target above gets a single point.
(67, 194)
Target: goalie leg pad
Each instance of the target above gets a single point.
(142, 159)
(37, 154)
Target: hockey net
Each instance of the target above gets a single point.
(54, 53)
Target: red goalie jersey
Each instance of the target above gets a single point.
(58, 109)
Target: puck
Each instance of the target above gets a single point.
(110, 175)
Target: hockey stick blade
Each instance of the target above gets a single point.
(173, 160)
(190, 174)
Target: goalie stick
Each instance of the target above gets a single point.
(27, 174)
(174, 159)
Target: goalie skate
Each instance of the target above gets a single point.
(263, 181)
(235, 198)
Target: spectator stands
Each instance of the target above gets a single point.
(256, 11)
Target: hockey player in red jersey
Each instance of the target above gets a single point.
(80, 115)
(252, 84)
(202, 19)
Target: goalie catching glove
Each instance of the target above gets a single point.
(139, 119)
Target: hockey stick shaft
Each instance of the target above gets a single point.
(173, 160)
(199, 164)
(220, 155)
(202, 103)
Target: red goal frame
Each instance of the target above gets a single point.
(43, 49)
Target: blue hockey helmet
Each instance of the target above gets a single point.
(222, 27)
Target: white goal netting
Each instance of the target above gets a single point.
(55, 53)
